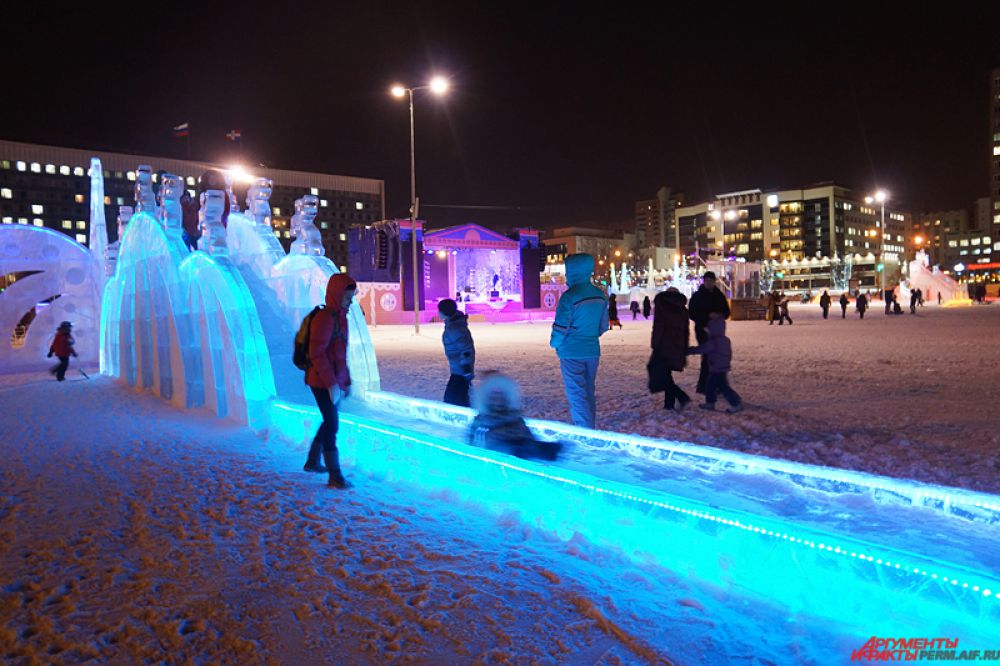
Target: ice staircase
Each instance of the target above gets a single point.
(871, 555)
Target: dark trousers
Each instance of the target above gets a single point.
(674, 392)
(702, 374)
(826, 313)
(718, 382)
(60, 370)
(457, 391)
(843, 312)
(784, 316)
(326, 435)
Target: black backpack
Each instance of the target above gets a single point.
(300, 357)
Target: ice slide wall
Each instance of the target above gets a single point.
(215, 328)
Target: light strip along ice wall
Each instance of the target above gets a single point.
(817, 576)
(957, 502)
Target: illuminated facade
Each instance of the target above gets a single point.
(47, 186)
(656, 219)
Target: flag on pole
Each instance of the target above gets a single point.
(233, 135)
(181, 130)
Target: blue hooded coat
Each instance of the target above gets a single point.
(582, 313)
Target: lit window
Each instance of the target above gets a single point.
(10, 220)
(314, 191)
(37, 209)
(277, 211)
(81, 225)
(324, 225)
(343, 269)
(78, 171)
(986, 240)
(131, 175)
(107, 201)
(287, 235)
(322, 202)
(64, 170)
(119, 175)
(36, 167)
(964, 242)
(22, 220)
(359, 205)
(6, 193)
(963, 252)
(278, 234)
(996, 151)
(952, 243)
(5, 164)
(976, 241)
(120, 200)
(78, 198)
(343, 237)
(81, 239)
(190, 180)
(191, 192)
(50, 168)
(66, 224)
(38, 223)
(21, 166)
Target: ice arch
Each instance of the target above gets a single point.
(59, 266)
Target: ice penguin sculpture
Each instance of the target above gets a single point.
(259, 201)
(171, 213)
(111, 251)
(145, 200)
(213, 233)
(308, 239)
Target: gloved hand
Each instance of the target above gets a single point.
(50, 355)
(75, 355)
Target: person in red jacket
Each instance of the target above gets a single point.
(62, 346)
(328, 376)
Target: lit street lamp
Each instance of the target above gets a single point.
(439, 86)
(880, 196)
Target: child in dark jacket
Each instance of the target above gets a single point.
(62, 347)
(460, 350)
(499, 424)
(718, 351)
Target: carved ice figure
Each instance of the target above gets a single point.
(234, 206)
(213, 233)
(145, 199)
(98, 224)
(308, 239)
(111, 251)
(258, 201)
(171, 213)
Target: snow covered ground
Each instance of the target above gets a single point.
(909, 396)
(133, 532)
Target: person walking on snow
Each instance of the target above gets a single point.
(706, 303)
(913, 301)
(670, 344)
(783, 308)
(634, 307)
(824, 304)
(613, 313)
(582, 317)
(773, 312)
(844, 301)
(647, 307)
(862, 304)
(718, 350)
(460, 351)
(62, 348)
(328, 375)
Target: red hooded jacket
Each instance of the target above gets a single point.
(328, 337)
(62, 345)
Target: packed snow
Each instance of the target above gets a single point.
(131, 531)
(907, 396)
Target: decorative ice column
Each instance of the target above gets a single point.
(613, 287)
(145, 199)
(624, 284)
(111, 251)
(650, 281)
(98, 223)
(308, 239)
(258, 201)
(171, 213)
(210, 221)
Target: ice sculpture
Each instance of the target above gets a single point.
(98, 224)
(171, 214)
(259, 202)
(308, 239)
(111, 251)
(56, 281)
(145, 199)
(650, 280)
(624, 284)
(234, 205)
(213, 233)
(932, 283)
(613, 277)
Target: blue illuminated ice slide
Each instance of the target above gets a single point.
(869, 555)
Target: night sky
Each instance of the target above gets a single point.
(557, 116)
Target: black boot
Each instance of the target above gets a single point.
(337, 479)
(312, 462)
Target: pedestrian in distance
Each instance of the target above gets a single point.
(824, 304)
(613, 313)
(862, 304)
(844, 301)
(783, 311)
(920, 297)
(669, 343)
(647, 307)
(460, 350)
(706, 303)
(62, 348)
(773, 309)
(634, 307)
(718, 350)
(327, 374)
(582, 317)
(189, 222)
(913, 301)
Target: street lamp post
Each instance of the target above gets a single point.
(880, 196)
(438, 86)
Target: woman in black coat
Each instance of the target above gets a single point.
(669, 343)
(647, 307)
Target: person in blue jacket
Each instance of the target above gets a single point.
(581, 319)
